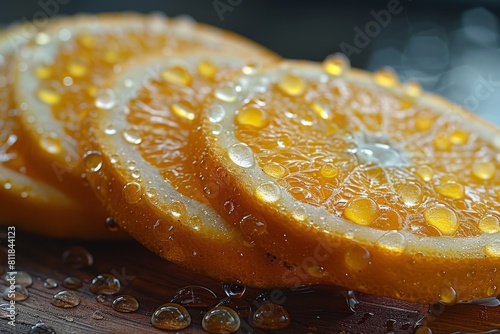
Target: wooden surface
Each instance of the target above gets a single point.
(154, 281)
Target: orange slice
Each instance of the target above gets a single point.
(27, 201)
(377, 186)
(63, 68)
(143, 171)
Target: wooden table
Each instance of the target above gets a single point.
(154, 281)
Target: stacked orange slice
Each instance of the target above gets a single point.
(372, 184)
(144, 169)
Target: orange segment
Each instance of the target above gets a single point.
(144, 171)
(395, 185)
(27, 200)
(62, 72)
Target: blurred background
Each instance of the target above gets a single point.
(450, 46)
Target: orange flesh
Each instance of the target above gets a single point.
(152, 113)
(69, 85)
(311, 144)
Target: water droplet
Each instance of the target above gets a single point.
(65, 299)
(195, 296)
(329, 170)
(49, 96)
(105, 99)
(132, 192)
(109, 129)
(72, 283)
(336, 64)
(452, 190)
(357, 258)
(423, 330)
(51, 144)
(177, 75)
(92, 161)
(386, 77)
(492, 292)
(41, 328)
(43, 72)
(125, 304)
(216, 113)
(489, 224)
(22, 278)
(275, 170)
(241, 154)
(459, 137)
(410, 194)
(483, 170)
(226, 93)
(412, 88)
(221, 320)
(77, 70)
(442, 143)
(105, 284)
(493, 249)
(321, 109)
(100, 298)
(443, 218)
(425, 173)
(292, 85)
(268, 192)
(448, 296)
(15, 292)
(207, 69)
(251, 226)
(132, 137)
(77, 257)
(362, 210)
(242, 308)
(182, 110)
(216, 129)
(393, 241)
(250, 68)
(177, 210)
(171, 317)
(251, 116)
(271, 317)
(98, 315)
(234, 290)
(50, 283)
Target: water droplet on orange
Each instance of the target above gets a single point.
(362, 210)
(357, 258)
(336, 64)
(443, 218)
(292, 85)
(268, 192)
(241, 154)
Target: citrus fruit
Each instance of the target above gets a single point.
(143, 172)
(63, 68)
(377, 185)
(27, 201)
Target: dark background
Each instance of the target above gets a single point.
(451, 47)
